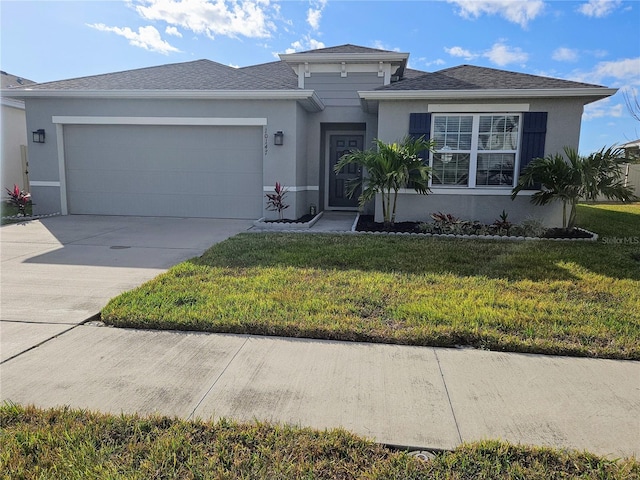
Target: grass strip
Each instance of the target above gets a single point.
(578, 299)
(67, 443)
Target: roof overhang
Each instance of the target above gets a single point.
(397, 60)
(308, 99)
(371, 99)
(11, 102)
(392, 57)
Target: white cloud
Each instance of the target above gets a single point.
(146, 37)
(380, 45)
(603, 108)
(599, 8)
(460, 52)
(173, 31)
(564, 54)
(249, 18)
(516, 11)
(306, 43)
(622, 72)
(314, 14)
(437, 62)
(502, 54)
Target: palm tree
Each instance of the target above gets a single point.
(571, 178)
(389, 167)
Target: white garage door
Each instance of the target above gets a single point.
(149, 170)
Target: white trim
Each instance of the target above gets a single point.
(10, 102)
(600, 92)
(477, 107)
(91, 120)
(43, 183)
(307, 188)
(64, 206)
(474, 152)
(369, 57)
(308, 98)
(197, 94)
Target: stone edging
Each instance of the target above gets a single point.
(594, 237)
(261, 224)
(30, 217)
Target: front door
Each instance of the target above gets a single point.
(339, 146)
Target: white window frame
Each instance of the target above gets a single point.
(474, 151)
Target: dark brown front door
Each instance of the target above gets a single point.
(340, 145)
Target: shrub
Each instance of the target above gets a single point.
(275, 201)
(19, 199)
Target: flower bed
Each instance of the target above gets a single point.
(306, 221)
(449, 226)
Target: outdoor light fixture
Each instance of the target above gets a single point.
(38, 136)
(445, 156)
(278, 138)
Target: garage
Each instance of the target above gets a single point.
(164, 170)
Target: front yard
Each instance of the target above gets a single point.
(537, 296)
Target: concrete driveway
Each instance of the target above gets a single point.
(60, 271)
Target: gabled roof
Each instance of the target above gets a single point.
(470, 77)
(346, 48)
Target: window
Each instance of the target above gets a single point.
(477, 150)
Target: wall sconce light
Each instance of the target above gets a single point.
(38, 136)
(278, 138)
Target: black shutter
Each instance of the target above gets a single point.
(420, 126)
(534, 133)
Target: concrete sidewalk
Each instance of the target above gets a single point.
(411, 396)
(57, 273)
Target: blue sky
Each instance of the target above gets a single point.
(594, 41)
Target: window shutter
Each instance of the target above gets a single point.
(420, 126)
(534, 133)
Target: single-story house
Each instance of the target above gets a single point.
(201, 139)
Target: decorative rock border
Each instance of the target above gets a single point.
(30, 217)
(594, 236)
(261, 224)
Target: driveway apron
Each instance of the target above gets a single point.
(60, 271)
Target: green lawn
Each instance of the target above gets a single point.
(536, 296)
(62, 443)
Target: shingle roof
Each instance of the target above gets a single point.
(412, 73)
(470, 77)
(8, 80)
(205, 75)
(277, 71)
(196, 75)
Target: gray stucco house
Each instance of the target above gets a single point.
(198, 139)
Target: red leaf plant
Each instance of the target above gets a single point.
(275, 201)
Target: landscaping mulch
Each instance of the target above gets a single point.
(304, 219)
(366, 223)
